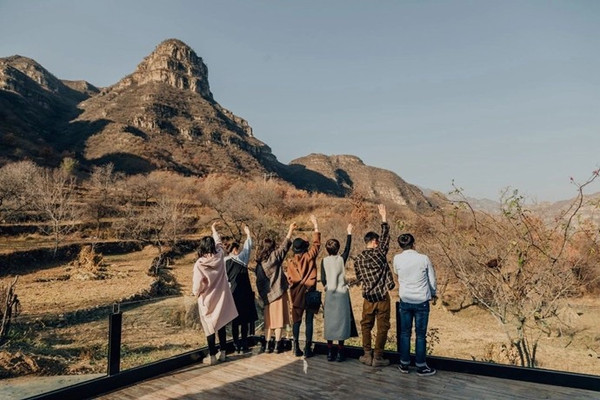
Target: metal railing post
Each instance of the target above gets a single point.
(115, 323)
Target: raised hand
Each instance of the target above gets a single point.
(313, 220)
(293, 226)
(382, 212)
(247, 230)
(349, 229)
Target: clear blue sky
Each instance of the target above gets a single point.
(488, 93)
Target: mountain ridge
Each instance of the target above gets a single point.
(163, 116)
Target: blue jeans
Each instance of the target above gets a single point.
(420, 314)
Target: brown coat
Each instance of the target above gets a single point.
(302, 276)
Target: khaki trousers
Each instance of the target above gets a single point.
(380, 312)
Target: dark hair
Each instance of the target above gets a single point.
(207, 246)
(370, 236)
(268, 245)
(300, 245)
(232, 246)
(332, 246)
(406, 241)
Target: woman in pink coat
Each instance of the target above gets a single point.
(211, 288)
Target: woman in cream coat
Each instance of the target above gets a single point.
(336, 311)
(211, 288)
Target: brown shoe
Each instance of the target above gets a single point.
(366, 359)
(380, 362)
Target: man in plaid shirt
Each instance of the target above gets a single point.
(373, 271)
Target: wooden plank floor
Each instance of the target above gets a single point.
(282, 376)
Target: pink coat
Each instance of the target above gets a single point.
(211, 287)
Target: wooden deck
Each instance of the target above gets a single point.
(282, 376)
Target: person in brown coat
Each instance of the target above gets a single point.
(302, 276)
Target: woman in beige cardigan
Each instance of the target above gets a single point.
(211, 288)
(272, 286)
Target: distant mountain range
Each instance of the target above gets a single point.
(164, 116)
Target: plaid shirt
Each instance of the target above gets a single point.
(372, 269)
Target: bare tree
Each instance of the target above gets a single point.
(514, 265)
(163, 213)
(9, 303)
(102, 197)
(53, 196)
(15, 179)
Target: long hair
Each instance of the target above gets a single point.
(268, 245)
(207, 246)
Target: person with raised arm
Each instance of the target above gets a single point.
(302, 276)
(272, 286)
(336, 311)
(236, 263)
(211, 288)
(373, 272)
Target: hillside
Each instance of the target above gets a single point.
(349, 175)
(163, 116)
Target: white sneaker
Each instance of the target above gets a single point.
(222, 356)
(210, 360)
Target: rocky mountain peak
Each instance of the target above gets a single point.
(353, 176)
(11, 68)
(174, 63)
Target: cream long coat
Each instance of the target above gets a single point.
(211, 287)
(336, 310)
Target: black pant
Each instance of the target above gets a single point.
(235, 330)
(212, 347)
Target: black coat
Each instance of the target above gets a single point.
(243, 296)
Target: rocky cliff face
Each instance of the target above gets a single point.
(35, 108)
(352, 176)
(164, 115)
(173, 63)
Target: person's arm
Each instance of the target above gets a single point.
(279, 254)
(432, 280)
(346, 252)
(384, 241)
(323, 276)
(216, 236)
(316, 241)
(244, 255)
(358, 269)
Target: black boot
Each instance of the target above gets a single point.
(263, 344)
(297, 351)
(330, 356)
(271, 346)
(340, 355)
(279, 347)
(308, 350)
(244, 345)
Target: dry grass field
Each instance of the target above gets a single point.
(63, 340)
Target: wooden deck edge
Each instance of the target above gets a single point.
(131, 376)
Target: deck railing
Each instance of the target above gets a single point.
(117, 378)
